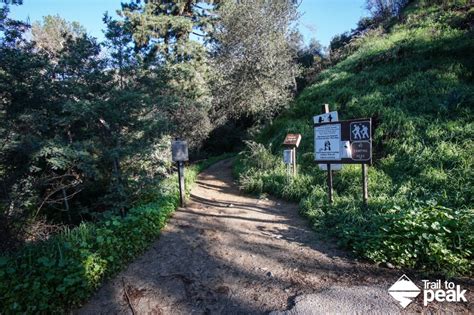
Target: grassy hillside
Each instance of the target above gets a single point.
(416, 82)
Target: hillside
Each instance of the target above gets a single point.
(415, 80)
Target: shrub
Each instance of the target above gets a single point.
(59, 274)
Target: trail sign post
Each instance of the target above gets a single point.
(292, 141)
(179, 153)
(344, 142)
(325, 118)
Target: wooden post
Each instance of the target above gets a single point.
(294, 161)
(365, 192)
(181, 182)
(329, 183)
(325, 109)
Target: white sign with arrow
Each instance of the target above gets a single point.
(325, 118)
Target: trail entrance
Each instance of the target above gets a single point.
(228, 253)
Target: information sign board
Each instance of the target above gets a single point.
(347, 142)
(328, 142)
(179, 151)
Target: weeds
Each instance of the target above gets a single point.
(416, 82)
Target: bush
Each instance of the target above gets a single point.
(59, 274)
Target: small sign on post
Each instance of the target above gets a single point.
(292, 141)
(288, 156)
(179, 153)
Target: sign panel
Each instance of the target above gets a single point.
(326, 118)
(292, 139)
(179, 151)
(288, 156)
(360, 130)
(327, 142)
(361, 150)
(354, 142)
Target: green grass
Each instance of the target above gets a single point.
(58, 275)
(416, 82)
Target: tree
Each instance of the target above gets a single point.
(167, 30)
(383, 9)
(51, 35)
(170, 37)
(253, 58)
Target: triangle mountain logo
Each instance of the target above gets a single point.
(404, 291)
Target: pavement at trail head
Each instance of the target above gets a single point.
(230, 253)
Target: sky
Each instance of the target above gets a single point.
(320, 19)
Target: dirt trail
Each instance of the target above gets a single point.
(228, 253)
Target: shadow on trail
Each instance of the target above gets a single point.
(225, 204)
(213, 258)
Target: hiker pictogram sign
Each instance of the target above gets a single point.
(347, 142)
(360, 130)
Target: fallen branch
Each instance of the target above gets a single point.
(128, 297)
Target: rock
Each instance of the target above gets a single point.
(387, 265)
(270, 274)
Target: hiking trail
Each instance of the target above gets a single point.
(230, 253)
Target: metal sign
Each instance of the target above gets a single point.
(347, 142)
(179, 151)
(360, 130)
(361, 150)
(326, 118)
(327, 142)
(292, 139)
(288, 156)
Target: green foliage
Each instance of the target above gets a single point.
(80, 132)
(416, 83)
(254, 63)
(51, 35)
(59, 274)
